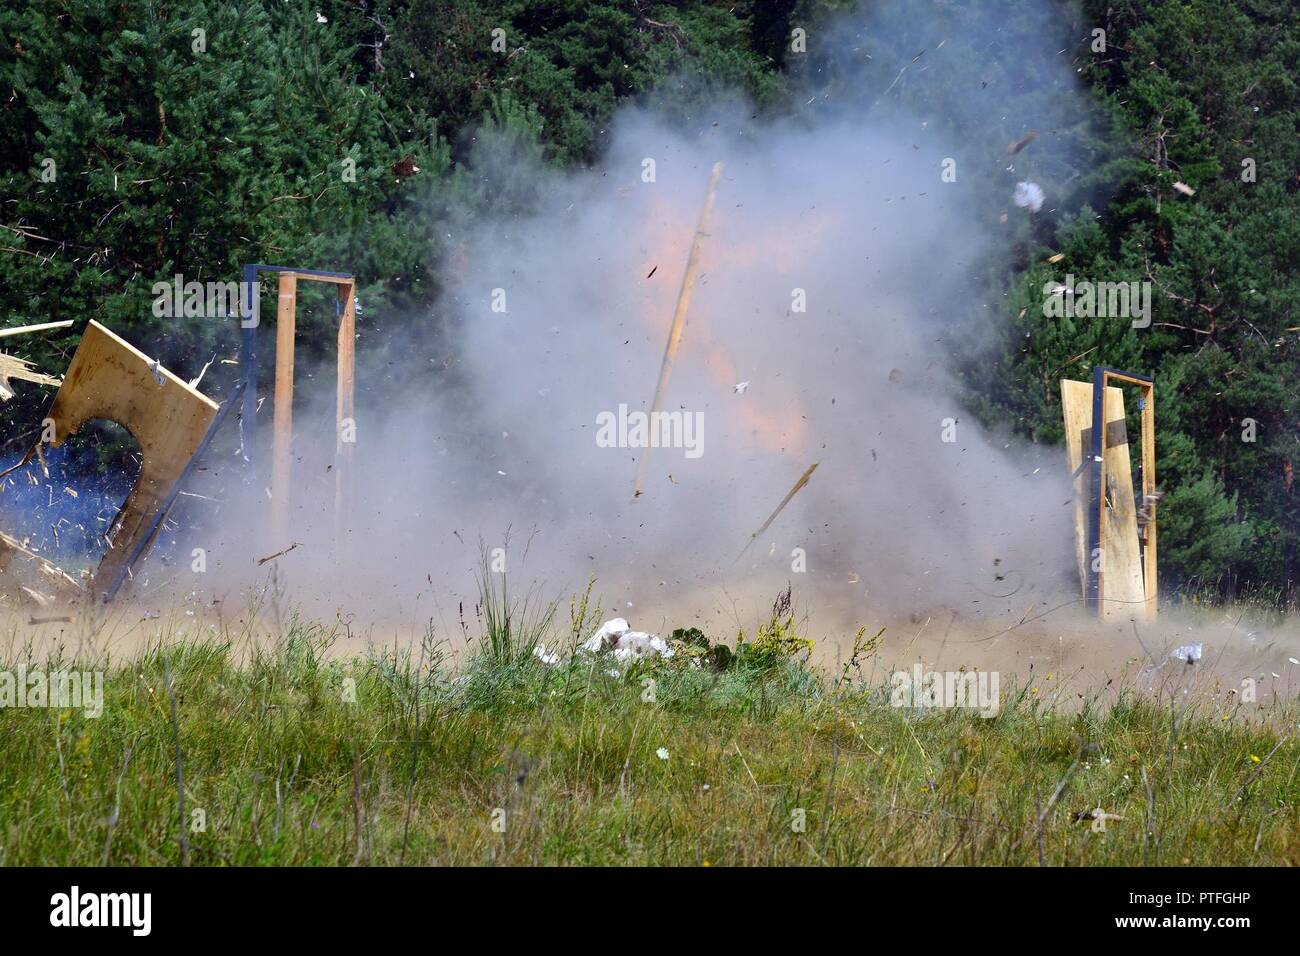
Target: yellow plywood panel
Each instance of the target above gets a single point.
(1076, 405)
(111, 379)
(1123, 588)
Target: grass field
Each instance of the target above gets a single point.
(293, 755)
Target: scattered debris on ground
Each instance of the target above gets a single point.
(625, 645)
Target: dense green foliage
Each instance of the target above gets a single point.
(1207, 95)
(193, 152)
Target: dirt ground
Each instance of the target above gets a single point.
(1049, 642)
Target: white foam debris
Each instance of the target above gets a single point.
(608, 634)
(1188, 653)
(626, 645)
(1029, 196)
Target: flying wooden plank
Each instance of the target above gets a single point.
(679, 316)
(42, 327)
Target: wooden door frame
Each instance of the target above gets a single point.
(1102, 376)
(282, 435)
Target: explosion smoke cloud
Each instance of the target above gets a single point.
(834, 280)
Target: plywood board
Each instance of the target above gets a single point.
(1124, 589)
(111, 379)
(1076, 405)
(1148, 488)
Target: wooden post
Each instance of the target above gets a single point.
(679, 317)
(345, 425)
(282, 438)
(1148, 489)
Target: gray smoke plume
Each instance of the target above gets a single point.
(847, 261)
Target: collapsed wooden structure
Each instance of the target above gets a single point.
(174, 423)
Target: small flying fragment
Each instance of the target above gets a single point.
(1096, 816)
(1056, 258)
(1022, 142)
(278, 554)
(794, 490)
(739, 387)
(1185, 189)
(1029, 196)
(202, 372)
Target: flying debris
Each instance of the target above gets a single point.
(1022, 142)
(1029, 196)
(798, 486)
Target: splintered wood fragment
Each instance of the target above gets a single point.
(43, 327)
(41, 600)
(58, 577)
(679, 316)
(278, 554)
(798, 486)
(12, 367)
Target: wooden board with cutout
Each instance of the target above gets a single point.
(111, 379)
